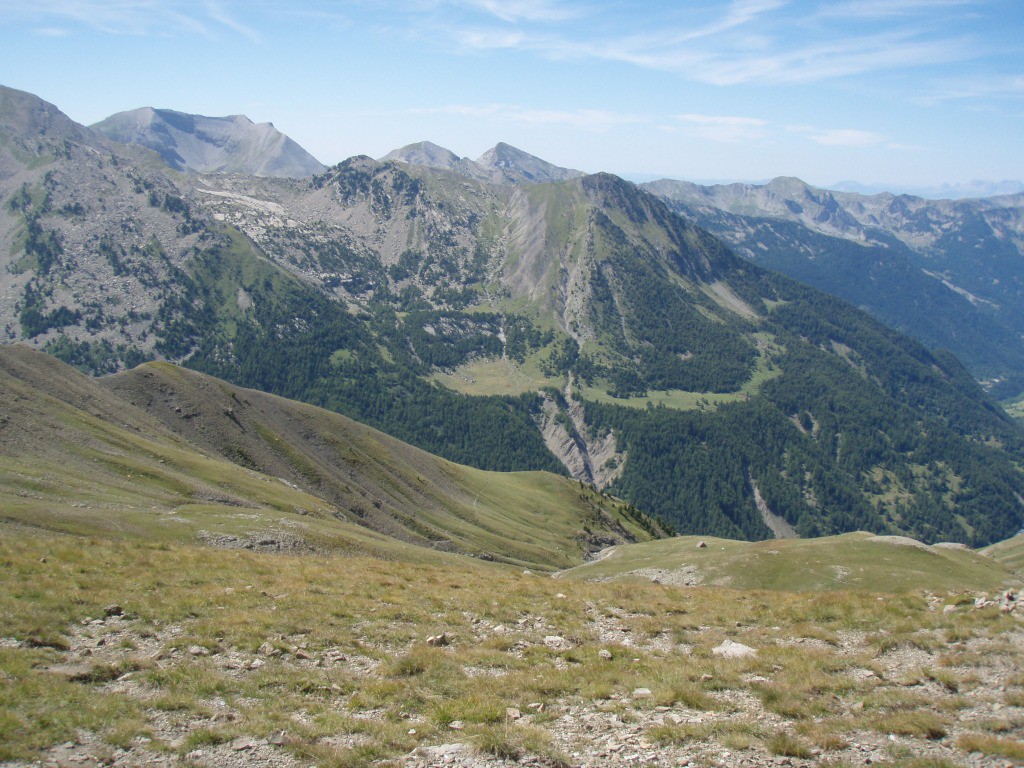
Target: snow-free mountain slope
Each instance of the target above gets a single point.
(201, 144)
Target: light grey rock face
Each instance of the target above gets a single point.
(430, 155)
(506, 163)
(502, 164)
(232, 144)
(424, 153)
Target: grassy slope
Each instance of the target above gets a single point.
(77, 456)
(857, 561)
(832, 670)
(1010, 553)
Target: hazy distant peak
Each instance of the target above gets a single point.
(423, 153)
(516, 166)
(788, 186)
(230, 144)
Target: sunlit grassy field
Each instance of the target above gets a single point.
(134, 650)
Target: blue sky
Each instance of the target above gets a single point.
(905, 93)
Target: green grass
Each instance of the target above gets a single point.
(495, 376)
(371, 677)
(680, 400)
(851, 561)
(89, 463)
(1010, 553)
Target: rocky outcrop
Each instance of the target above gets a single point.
(595, 460)
(778, 524)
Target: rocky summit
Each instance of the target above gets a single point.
(200, 144)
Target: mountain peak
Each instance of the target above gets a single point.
(424, 153)
(510, 164)
(27, 115)
(231, 144)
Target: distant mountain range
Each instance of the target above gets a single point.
(534, 319)
(945, 271)
(971, 189)
(499, 165)
(201, 144)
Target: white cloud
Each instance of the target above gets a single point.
(216, 12)
(749, 41)
(1011, 87)
(585, 119)
(839, 137)
(877, 9)
(525, 10)
(132, 17)
(724, 128)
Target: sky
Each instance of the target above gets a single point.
(900, 94)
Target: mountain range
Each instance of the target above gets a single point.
(500, 164)
(944, 271)
(202, 144)
(509, 315)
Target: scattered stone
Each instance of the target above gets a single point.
(456, 725)
(730, 649)
(279, 739)
(536, 707)
(642, 693)
(512, 713)
(605, 654)
(947, 609)
(242, 745)
(554, 641)
(198, 650)
(438, 641)
(702, 545)
(113, 610)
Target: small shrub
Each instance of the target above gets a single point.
(786, 745)
(991, 745)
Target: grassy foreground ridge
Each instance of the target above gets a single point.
(134, 651)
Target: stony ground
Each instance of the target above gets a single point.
(968, 685)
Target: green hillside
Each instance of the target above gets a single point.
(853, 561)
(239, 468)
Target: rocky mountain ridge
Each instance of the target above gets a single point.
(945, 271)
(200, 144)
(501, 164)
(446, 310)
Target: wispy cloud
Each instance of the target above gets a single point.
(839, 137)
(881, 9)
(747, 41)
(585, 119)
(525, 10)
(130, 17)
(217, 13)
(724, 128)
(1006, 87)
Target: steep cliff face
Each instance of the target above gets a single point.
(587, 454)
